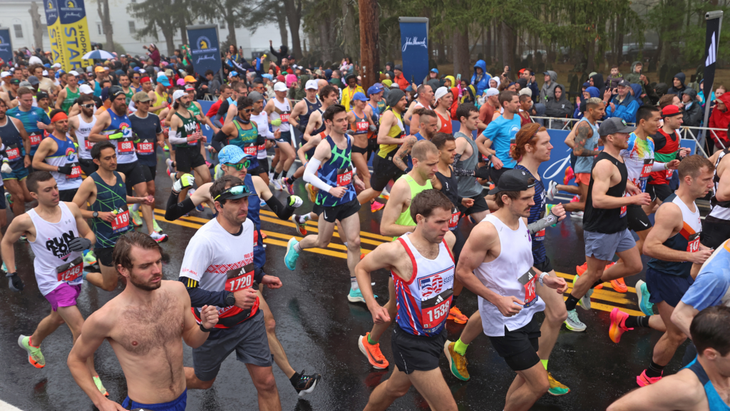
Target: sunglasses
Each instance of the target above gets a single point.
(246, 110)
(135, 77)
(235, 190)
(88, 106)
(240, 166)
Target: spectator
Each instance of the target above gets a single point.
(580, 104)
(713, 95)
(547, 92)
(212, 86)
(692, 112)
(635, 77)
(678, 86)
(154, 54)
(494, 82)
(529, 75)
(559, 106)
(490, 106)
(622, 104)
(720, 118)
(615, 77)
(668, 99)
(480, 79)
(399, 78)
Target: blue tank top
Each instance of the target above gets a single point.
(30, 121)
(536, 213)
(13, 142)
(110, 199)
(337, 172)
(584, 164)
(714, 401)
(254, 210)
(124, 146)
(304, 118)
(418, 137)
(97, 89)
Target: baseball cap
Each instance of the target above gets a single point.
(359, 96)
(311, 85)
(513, 180)
(99, 69)
(671, 110)
(177, 94)
(624, 83)
(526, 91)
(56, 65)
(189, 87)
(33, 80)
(85, 89)
(280, 87)
(180, 82)
(73, 73)
(162, 78)
(614, 125)
(255, 96)
(189, 79)
(41, 95)
(115, 91)
(492, 92)
(5, 74)
(440, 92)
(25, 83)
(140, 96)
(435, 70)
(375, 89)
(232, 74)
(231, 154)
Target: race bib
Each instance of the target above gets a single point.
(125, 146)
(251, 149)
(362, 126)
(669, 174)
(70, 271)
(646, 169)
(75, 171)
(454, 220)
(146, 147)
(434, 311)
(35, 139)
(540, 235)
(528, 281)
(121, 221)
(240, 279)
(12, 152)
(262, 147)
(623, 212)
(693, 243)
(344, 176)
(284, 117)
(88, 144)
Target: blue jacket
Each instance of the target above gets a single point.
(483, 83)
(580, 109)
(626, 110)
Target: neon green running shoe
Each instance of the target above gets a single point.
(35, 357)
(136, 218)
(156, 227)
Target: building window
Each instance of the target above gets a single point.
(132, 29)
(18, 31)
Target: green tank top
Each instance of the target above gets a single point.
(70, 99)
(405, 217)
(190, 126)
(128, 95)
(194, 109)
(246, 139)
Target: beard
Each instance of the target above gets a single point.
(146, 286)
(185, 105)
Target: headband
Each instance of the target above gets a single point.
(59, 116)
(144, 79)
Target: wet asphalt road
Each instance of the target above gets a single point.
(318, 328)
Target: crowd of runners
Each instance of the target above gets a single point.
(458, 184)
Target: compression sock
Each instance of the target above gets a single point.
(295, 379)
(460, 347)
(544, 363)
(654, 370)
(301, 219)
(292, 179)
(353, 283)
(370, 340)
(276, 175)
(284, 173)
(571, 302)
(637, 322)
(453, 300)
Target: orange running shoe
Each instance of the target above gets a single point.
(619, 285)
(456, 316)
(372, 352)
(618, 325)
(580, 269)
(569, 175)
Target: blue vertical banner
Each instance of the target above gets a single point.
(414, 48)
(6, 46)
(204, 48)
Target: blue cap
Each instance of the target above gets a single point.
(359, 96)
(136, 69)
(234, 74)
(47, 65)
(268, 76)
(164, 80)
(435, 70)
(375, 89)
(231, 154)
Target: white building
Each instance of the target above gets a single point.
(16, 16)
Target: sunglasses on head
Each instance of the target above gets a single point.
(234, 191)
(240, 166)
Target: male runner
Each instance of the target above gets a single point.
(666, 149)
(279, 109)
(703, 384)
(422, 270)
(424, 99)
(466, 163)
(716, 227)
(242, 132)
(497, 265)
(674, 245)
(35, 120)
(17, 149)
(57, 154)
(261, 119)
(57, 233)
(145, 326)
(428, 121)
(218, 269)
(68, 95)
(499, 135)
(301, 112)
(186, 136)
(330, 170)
(444, 98)
(80, 126)
(124, 82)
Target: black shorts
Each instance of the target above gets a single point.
(495, 174)
(257, 170)
(519, 347)
(372, 146)
(660, 191)
(2, 198)
(134, 174)
(341, 211)
(67, 195)
(104, 256)
(714, 232)
(264, 164)
(88, 167)
(480, 204)
(147, 175)
(545, 265)
(188, 158)
(152, 170)
(356, 149)
(383, 171)
(637, 218)
(665, 287)
(284, 137)
(416, 353)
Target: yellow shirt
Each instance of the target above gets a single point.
(347, 94)
(396, 131)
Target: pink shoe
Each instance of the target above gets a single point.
(569, 175)
(643, 380)
(376, 206)
(575, 199)
(618, 325)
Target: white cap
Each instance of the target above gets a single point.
(440, 92)
(161, 73)
(491, 92)
(45, 72)
(5, 74)
(526, 91)
(73, 73)
(35, 60)
(311, 85)
(177, 94)
(280, 86)
(56, 65)
(85, 89)
(142, 71)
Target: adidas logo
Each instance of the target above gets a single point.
(439, 299)
(711, 52)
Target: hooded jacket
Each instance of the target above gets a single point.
(580, 110)
(637, 89)
(599, 83)
(547, 92)
(692, 112)
(720, 119)
(480, 84)
(678, 90)
(279, 55)
(559, 108)
(452, 80)
(625, 110)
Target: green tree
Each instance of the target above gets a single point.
(161, 16)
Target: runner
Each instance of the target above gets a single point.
(68, 95)
(444, 99)
(145, 325)
(244, 133)
(428, 122)
(360, 125)
(605, 224)
(466, 163)
(301, 112)
(424, 99)
(506, 285)
(279, 109)
(218, 270)
(702, 385)
(261, 119)
(666, 149)
(372, 110)
(674, 245)
(161, 98)
(197, 109)
(422, 269)
(35, 120)
(331, 172)
(17, 146)
(80, 127)
(124, 82)
(716, 227)
(57, 233)
(500, 134)
(185, 135)
(57, 154)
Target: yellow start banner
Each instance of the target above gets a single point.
(69, 32)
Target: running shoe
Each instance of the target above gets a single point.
(262, 204)
(573, 323)
(156, 227)
(312, 191)
(576, 214)
(585, 301)
(556, 387)
(301, 228)
(355, 296)
(619, 285)
(35, 356)
(618, 325)
(170, 168)
(372, 352)
(306, 383)
(23, 239)
(580, 269)
(289, 186)
(376, 206)
(100, 386)
(136, 218)
(643, 380)
(200, 208)
(552, 190)
(569, 175)
(166, 148)
(291, 256)
(642, 292)
(8, 198)
(457, 362)
(277, 184)
(457, 316)
(159, 237)
(5, 267)
(89, 259)
(575, 199)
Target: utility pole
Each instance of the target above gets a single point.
(369, 47)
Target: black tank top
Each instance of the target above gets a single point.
(601, 220)
(449, 187)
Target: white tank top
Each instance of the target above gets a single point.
(510, 274)
(82, 137)
(285, 108)
(54, 263)
(720, 210)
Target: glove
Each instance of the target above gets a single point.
(301, 127)
(79, 244)
(372, 127)
(185, 181)
(65, 169)
(482, 172)
(116, 135)
(276, 122)
(351, 132)
(295, 201)
(14, 282)
(6, 168)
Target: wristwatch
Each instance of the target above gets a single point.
(95, 214)
(203, 329)
(230, 299)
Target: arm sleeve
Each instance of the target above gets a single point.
(310, 175)
(219, 140)
(194, 264)
(175, 210)
(538, 225)
(284, 212)
(200, 297)
(176, 139)
(658, 166)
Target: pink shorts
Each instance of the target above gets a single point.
(583, 178)
(63, 296)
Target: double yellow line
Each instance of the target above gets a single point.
(612, 298)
